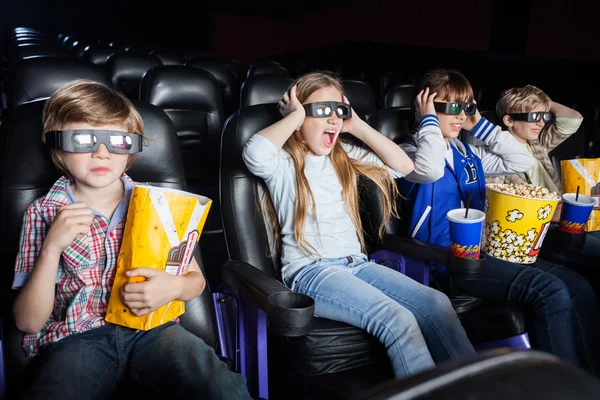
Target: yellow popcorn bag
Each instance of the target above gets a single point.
(515, 226)
(162, 229)
(585, 173)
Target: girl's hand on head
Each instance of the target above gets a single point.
(290, 104)
(349, 125)
(425, 103)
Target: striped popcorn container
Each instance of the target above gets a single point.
(162, 229)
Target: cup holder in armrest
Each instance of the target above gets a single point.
(290, 313)
(465, 268)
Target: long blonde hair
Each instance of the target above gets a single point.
(347, 170)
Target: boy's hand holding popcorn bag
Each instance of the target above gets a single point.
(162, 229)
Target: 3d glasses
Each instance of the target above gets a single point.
(534, 116)
(455, 107)
(325, 109)
(88, 140)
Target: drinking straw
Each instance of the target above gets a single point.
(577, 194)
(468, 205)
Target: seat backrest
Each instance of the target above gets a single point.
(169, 58)
(241, 192)
(38, 78)
(31, 176)
(98, 54)
(361, 97)
(394, 123)
(264, 89)
(267, 67)
(126, 71)
(399, 96)
(227, 82)
(192, 99)
(37, 50)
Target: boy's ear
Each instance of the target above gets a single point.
(507, 121)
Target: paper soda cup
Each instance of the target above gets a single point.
(161, 231)
(515, 226)
(465, 233)
(575, 213)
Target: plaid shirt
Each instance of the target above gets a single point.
(86, 270)
(548, 141)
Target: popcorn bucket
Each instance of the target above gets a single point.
(162, 229)
(515, 226)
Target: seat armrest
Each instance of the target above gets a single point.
(416, 249)
(429, 252)
(288, 313)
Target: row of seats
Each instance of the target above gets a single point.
(323, 359)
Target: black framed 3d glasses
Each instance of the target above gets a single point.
(455, 107)
(533, 116)
(325, 109)
(88, 140)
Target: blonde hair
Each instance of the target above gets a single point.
(520, 100)
(347, 170)
(85, 101)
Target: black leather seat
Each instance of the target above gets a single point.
(38, 78)
(334, 359)
(394, 123)
(496, 375)
(126, 71)
(98, 54)
(264, 89)
(32, 174)
(267, 67)
(228, 83)
(361, 97)
(192, 100)
(399, 96)
(169, 58)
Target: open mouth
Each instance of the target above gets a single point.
(328, 137)
(456, 127)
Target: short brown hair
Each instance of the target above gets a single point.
(85, 101)
(520, 100)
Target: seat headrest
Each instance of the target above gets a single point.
(399, 96)
(38, 50)
(38, 78)
(218, 69)
(361, 97)
(129, 67)
(270, 68)
(169, 58)
(97, 54)
(264, 89)
(179, 87)
(394, 123)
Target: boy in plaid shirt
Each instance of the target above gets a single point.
(526, 111)
(70, 241)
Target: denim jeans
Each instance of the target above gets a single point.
(167, 360)
(417, 324)
(585, 261)
(563, 313)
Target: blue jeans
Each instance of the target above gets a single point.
(417, 324)
(167, 360)
(563, 313)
